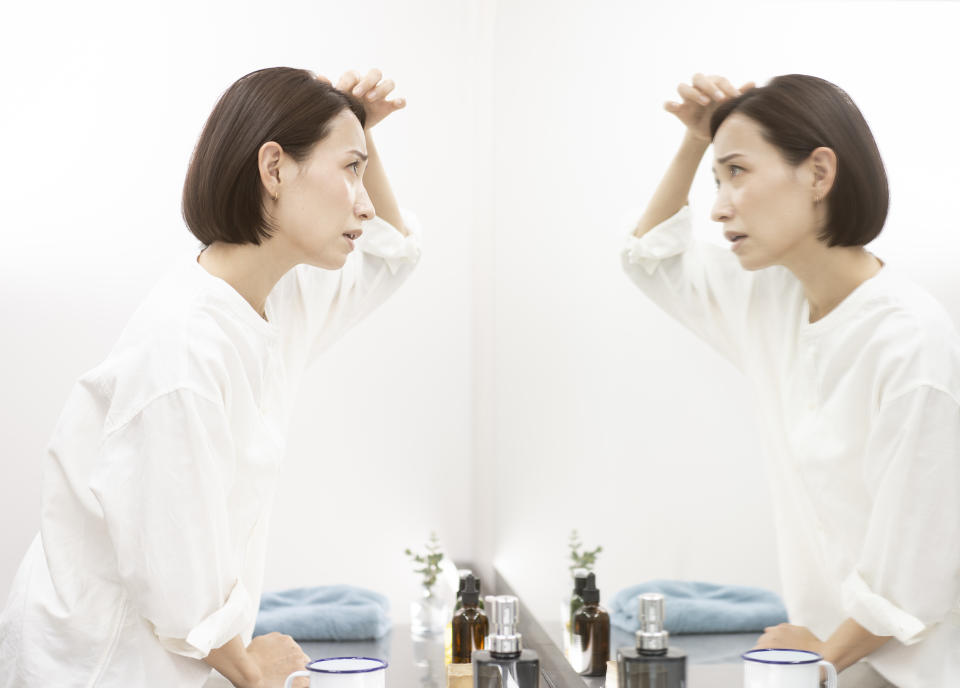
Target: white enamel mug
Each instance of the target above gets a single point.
(343, 672)
(785, 669)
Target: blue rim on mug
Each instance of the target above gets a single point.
(814, 657)
(381, 664)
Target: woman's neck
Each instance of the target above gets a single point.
(829, 275)
(253, 271)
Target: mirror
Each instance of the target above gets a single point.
(610, 417)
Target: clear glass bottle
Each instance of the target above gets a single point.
(652, 663)
(504, 663)
(590, 648)
(470, 625)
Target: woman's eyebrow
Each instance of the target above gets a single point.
(362, 156)
(728, 156)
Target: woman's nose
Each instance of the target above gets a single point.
(722, 211)
(363, 208)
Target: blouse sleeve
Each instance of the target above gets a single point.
(163, 485)
(907, 578)
(320, 305)
(700, 285)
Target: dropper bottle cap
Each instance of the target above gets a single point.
(471, 592)
(503, 612)
(590, 593)
(651, 638)
(579, 580)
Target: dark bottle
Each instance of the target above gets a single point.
(504, 663)
(573, 606)
(653, 663)
(458, 605)
(469, 624)
(590, 648)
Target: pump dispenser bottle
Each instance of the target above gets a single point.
(504, 663)
(652, 663)
(591, 633)
(470, 625)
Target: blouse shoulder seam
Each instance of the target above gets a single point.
(921, 385)
(114, 427)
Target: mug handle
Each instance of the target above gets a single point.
(292, 676)
(831, 674)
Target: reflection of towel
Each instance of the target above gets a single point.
(691, 607)
(330, 612)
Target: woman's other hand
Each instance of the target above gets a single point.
(372, 90)
(789, 637)
(699, 99)
(278, 656)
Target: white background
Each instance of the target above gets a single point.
(518, 386)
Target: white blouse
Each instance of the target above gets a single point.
(160, 476)
(861, 413)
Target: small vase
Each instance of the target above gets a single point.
(428, 615)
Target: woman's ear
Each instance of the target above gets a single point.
(268, 162)
(823, 163)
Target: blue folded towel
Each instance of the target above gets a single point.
(329, 612)
(693, 607)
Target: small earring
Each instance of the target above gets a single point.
(276, 195)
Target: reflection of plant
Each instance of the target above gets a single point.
(581, 559)
(429, 561)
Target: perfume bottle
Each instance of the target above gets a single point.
(470, 624)
(652, 663)
(503, 663)
(590, 649)
(569, 608)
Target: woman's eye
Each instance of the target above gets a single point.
(355, 166)
(735, 170)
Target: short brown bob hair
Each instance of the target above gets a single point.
(799, 113)
(222, 194)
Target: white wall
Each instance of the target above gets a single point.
(609, 416)
(518, 386)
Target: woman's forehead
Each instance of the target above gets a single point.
(739, 134)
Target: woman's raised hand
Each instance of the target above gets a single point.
(372, 90)
(699, 99)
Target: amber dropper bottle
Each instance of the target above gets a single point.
(470, 624)
(591, 633)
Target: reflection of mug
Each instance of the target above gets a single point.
(785, 669)
(343, 672)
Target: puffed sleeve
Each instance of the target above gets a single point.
(317, 306)
(700, 285)
(907, 578)
(163, 485)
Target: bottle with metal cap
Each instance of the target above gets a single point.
(503, 663)
(652, 663)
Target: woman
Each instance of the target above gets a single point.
(857, 370)
(161, 472)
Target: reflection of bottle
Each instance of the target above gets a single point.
(469, 624)
(504, 663)
(652, 664)
(571, 605)
(591, 633)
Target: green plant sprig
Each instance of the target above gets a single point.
(581, 559)
(429, 561)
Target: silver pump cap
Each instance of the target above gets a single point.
(651, 636)
(503, 612)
